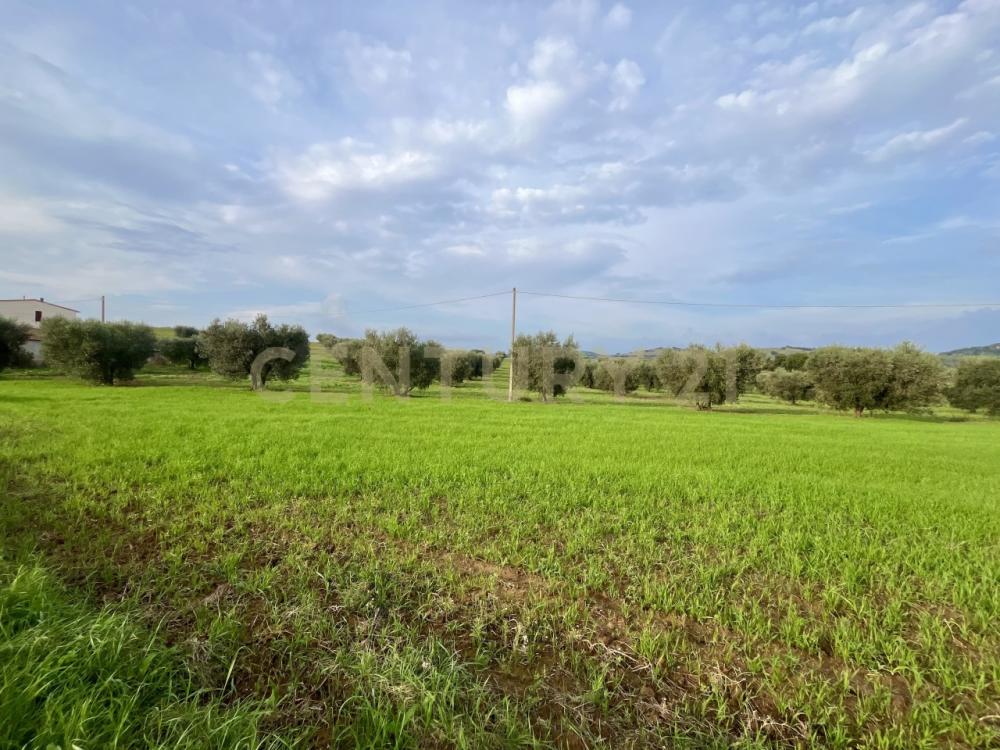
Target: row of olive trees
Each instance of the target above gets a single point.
(867, 379)
(708, 376)
(398, 361)
(855, 379)
(110, 352)
(849, 379)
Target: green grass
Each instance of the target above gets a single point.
(464, 572)
(72, 677)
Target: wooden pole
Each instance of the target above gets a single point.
(102, 308)
(513, 333)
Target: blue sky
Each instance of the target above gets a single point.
(319, 160)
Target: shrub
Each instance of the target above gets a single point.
(100, 352)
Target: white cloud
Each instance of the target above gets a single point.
(550, 202)
(618, 18)
(626, 80)
(327, 169)
(533, 105)
(890, 55)
(914, 141)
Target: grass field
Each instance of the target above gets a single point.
(189, 564)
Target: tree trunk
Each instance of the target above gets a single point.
(858, 410)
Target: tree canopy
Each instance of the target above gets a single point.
(100, 352)
(399, 361)
(862, 379)
(183, 351)
(545, 365)
(696, 372)
(618, 375)
(977, 385)
(231, 348)
(788, 385)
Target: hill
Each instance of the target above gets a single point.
(990, 350)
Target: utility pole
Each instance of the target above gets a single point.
(102, 308)
(513, 329)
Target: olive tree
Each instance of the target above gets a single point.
(743, 364)
(13, 336)
(100, 352)
(697, 372)
(862, 379)
(183, 351)
(346, 351)
(232, 348)
(545, 365)
(646, 375)
(399, 361)
(457, 366)
(977, 385)
(788, 385)
(618, 376)
(788, 360)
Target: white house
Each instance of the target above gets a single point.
(33, 312)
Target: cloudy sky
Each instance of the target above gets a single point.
(321, 161)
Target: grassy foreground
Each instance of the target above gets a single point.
(335, 571)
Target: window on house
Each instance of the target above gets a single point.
(38, 316)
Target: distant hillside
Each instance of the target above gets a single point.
(655, 352)
(990, 350)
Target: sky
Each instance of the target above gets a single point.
(324, 162)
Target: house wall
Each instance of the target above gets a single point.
(23, 310)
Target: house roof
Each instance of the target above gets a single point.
(43, 301)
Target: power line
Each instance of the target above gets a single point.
(681, 303)
(430, 304)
